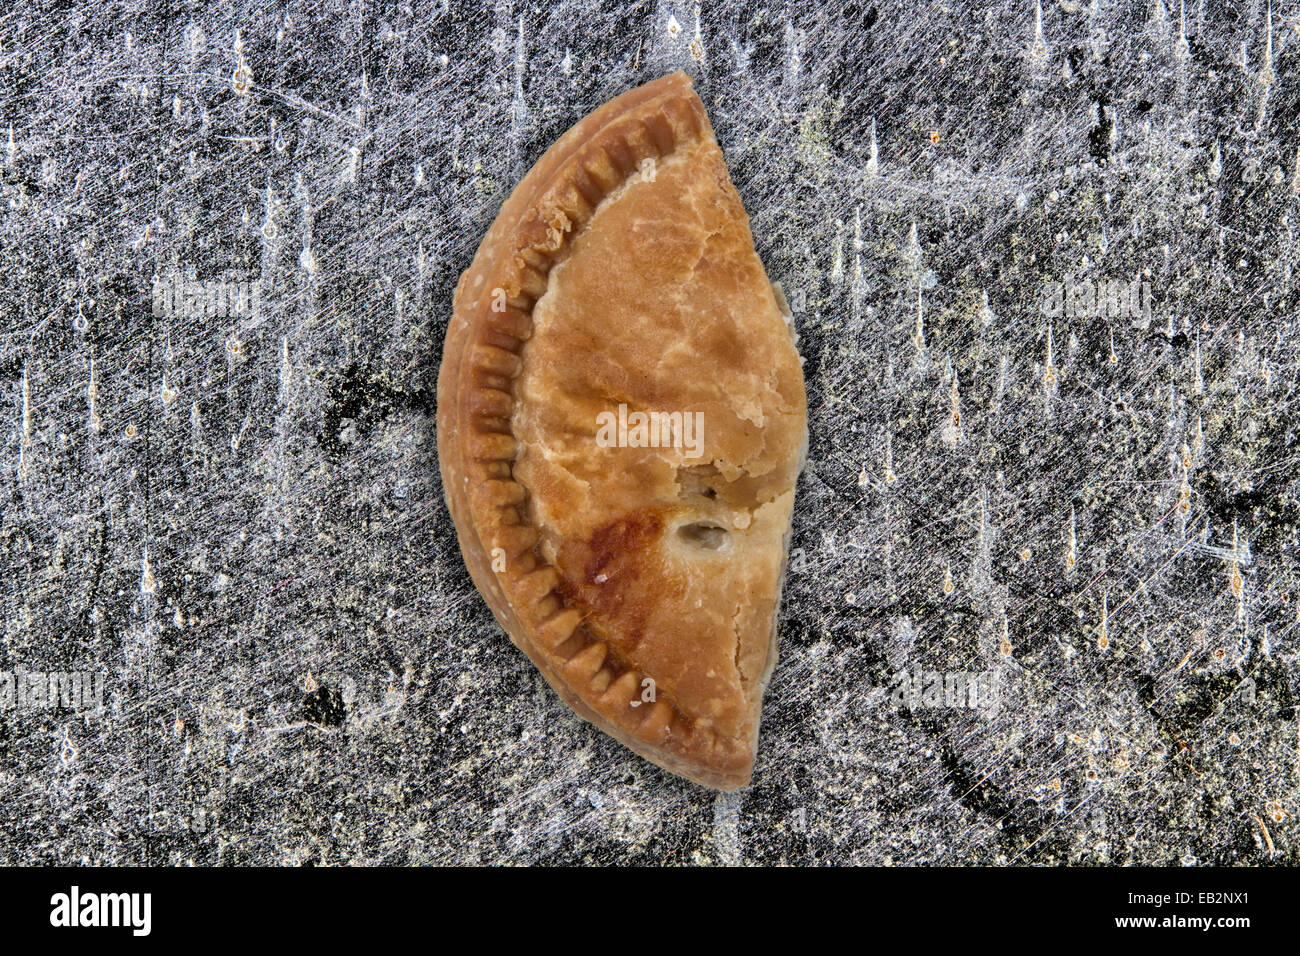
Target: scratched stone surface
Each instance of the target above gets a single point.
(1043, 269)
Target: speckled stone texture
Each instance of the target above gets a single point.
(230, 238)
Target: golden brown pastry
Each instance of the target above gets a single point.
(621, 421)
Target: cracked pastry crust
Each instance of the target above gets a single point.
(643, 582)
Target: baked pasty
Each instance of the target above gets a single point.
(621, 422)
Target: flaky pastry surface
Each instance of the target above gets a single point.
(642, 581)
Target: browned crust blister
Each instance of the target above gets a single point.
(476, 446)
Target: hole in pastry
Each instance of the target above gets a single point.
(704, 535)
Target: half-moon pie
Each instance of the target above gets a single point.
(621, 423)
